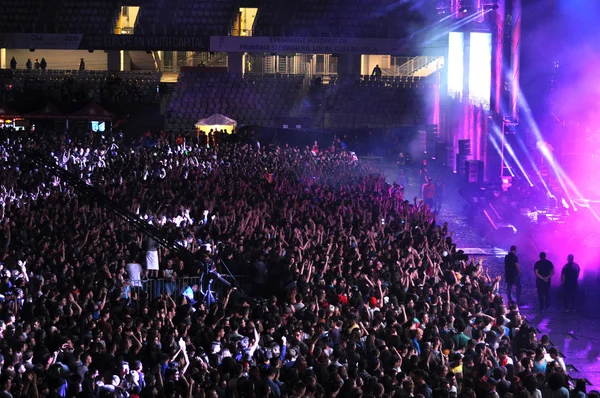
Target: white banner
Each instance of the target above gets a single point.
(307, 45)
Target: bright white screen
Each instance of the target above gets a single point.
(455, 64)
(99, 127)
(480, 69)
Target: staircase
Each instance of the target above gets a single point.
(282, 64)
(142, 60)
(219, 60)
(157, 60)
(422, 66)
(269, 64)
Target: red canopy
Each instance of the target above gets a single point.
(7, 112)
(92, 111)
(47, 112)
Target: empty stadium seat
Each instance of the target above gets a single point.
(249, 99)
(75, 85)
(187, 17)
(374, 103)
(58, 16)
(337, 18)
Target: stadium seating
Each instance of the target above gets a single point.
(86, 16)
(248, 99)
(58, 16)
(19, 15)
(72, 85)
(367, 102)
(265, 99)
(337, 18)
(187, 17)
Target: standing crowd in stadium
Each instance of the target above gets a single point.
(356, 291)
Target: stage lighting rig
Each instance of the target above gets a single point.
(443, 7)
(467, 6)
(490, 5)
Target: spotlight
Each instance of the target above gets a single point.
(464, 9)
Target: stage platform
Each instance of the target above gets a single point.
(484, 251)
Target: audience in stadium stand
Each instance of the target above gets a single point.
(359, 293)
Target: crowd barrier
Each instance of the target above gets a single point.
(174, 287)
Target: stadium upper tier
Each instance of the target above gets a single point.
(187, 17)
(338, 18)
(58, 16)
(341, 18)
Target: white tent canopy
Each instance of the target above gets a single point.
(216, 122)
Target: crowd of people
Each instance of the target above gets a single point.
(357, 291)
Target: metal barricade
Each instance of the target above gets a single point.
(155, 287)
(175, 287)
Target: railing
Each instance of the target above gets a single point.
(175, 287)
(414, 64)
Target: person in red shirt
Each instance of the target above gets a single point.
(429, 193)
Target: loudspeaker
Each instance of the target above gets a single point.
(423, 141)
(464, 147)
(461, 165)
(474, 169)
(440, 153)
(432, 129)
(450, 157)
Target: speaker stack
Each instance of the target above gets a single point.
(474, 170)
(464, 151)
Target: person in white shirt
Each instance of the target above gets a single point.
(152, 264)
(134, 270)
(555, 357)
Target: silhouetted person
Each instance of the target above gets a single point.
(512, 274)
(424, 170)
(13, 63)
(82, 64)
(570, 283)
(28, 65)
(543, 270)
(43, 64)
(36, 65)
(376, 71)
(440, 187)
